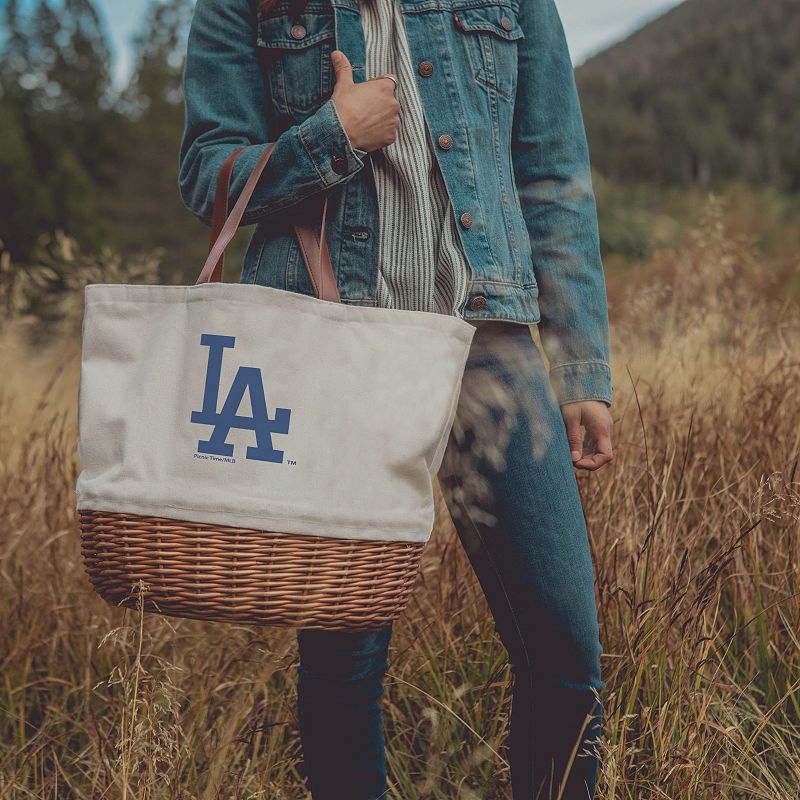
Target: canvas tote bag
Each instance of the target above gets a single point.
(257, 455)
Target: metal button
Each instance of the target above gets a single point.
(425, 68)
(466, 220)
(478, 303)
(445, 141)
(298, 32)
(339, 164)
(506, 23)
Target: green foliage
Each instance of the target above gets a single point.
(80, 156)
(145, 207)
(639, 220)
(44, 299)
(704, 94)
(55, 76)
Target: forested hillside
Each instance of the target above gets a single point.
(708, 92)
(80, 155)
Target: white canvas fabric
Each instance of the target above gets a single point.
(311, 417)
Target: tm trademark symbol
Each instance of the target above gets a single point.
(291, 461)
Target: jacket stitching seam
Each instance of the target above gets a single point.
(603, 364)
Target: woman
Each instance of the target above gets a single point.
(448, 139)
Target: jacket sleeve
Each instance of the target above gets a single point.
(551, 167)
(224, 94)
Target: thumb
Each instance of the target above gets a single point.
(572, 423)
(342, 68)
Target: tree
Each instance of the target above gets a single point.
(57, 122)
(146, 206)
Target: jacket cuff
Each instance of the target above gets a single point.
(582, 380)
(328, 146)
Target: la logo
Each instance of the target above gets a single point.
(248, 379)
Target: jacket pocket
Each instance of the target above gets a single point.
(297, 54)
(491, 33)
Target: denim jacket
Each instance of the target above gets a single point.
(493, 74)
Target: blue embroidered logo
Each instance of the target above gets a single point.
(248, 379)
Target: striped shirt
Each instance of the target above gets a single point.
(422, 266)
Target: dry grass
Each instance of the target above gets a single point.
(695, 537)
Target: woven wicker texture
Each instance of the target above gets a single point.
(241, 575)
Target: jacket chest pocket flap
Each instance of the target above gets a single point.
(491, 33)
(297, 53)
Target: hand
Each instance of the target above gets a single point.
(369, 111)
(594, 450)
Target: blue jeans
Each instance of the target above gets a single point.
(530, 551)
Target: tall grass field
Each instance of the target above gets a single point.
(695, 534)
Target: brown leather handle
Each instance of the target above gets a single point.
(313, 247)
(220, 211)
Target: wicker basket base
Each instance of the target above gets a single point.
(243, 575)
